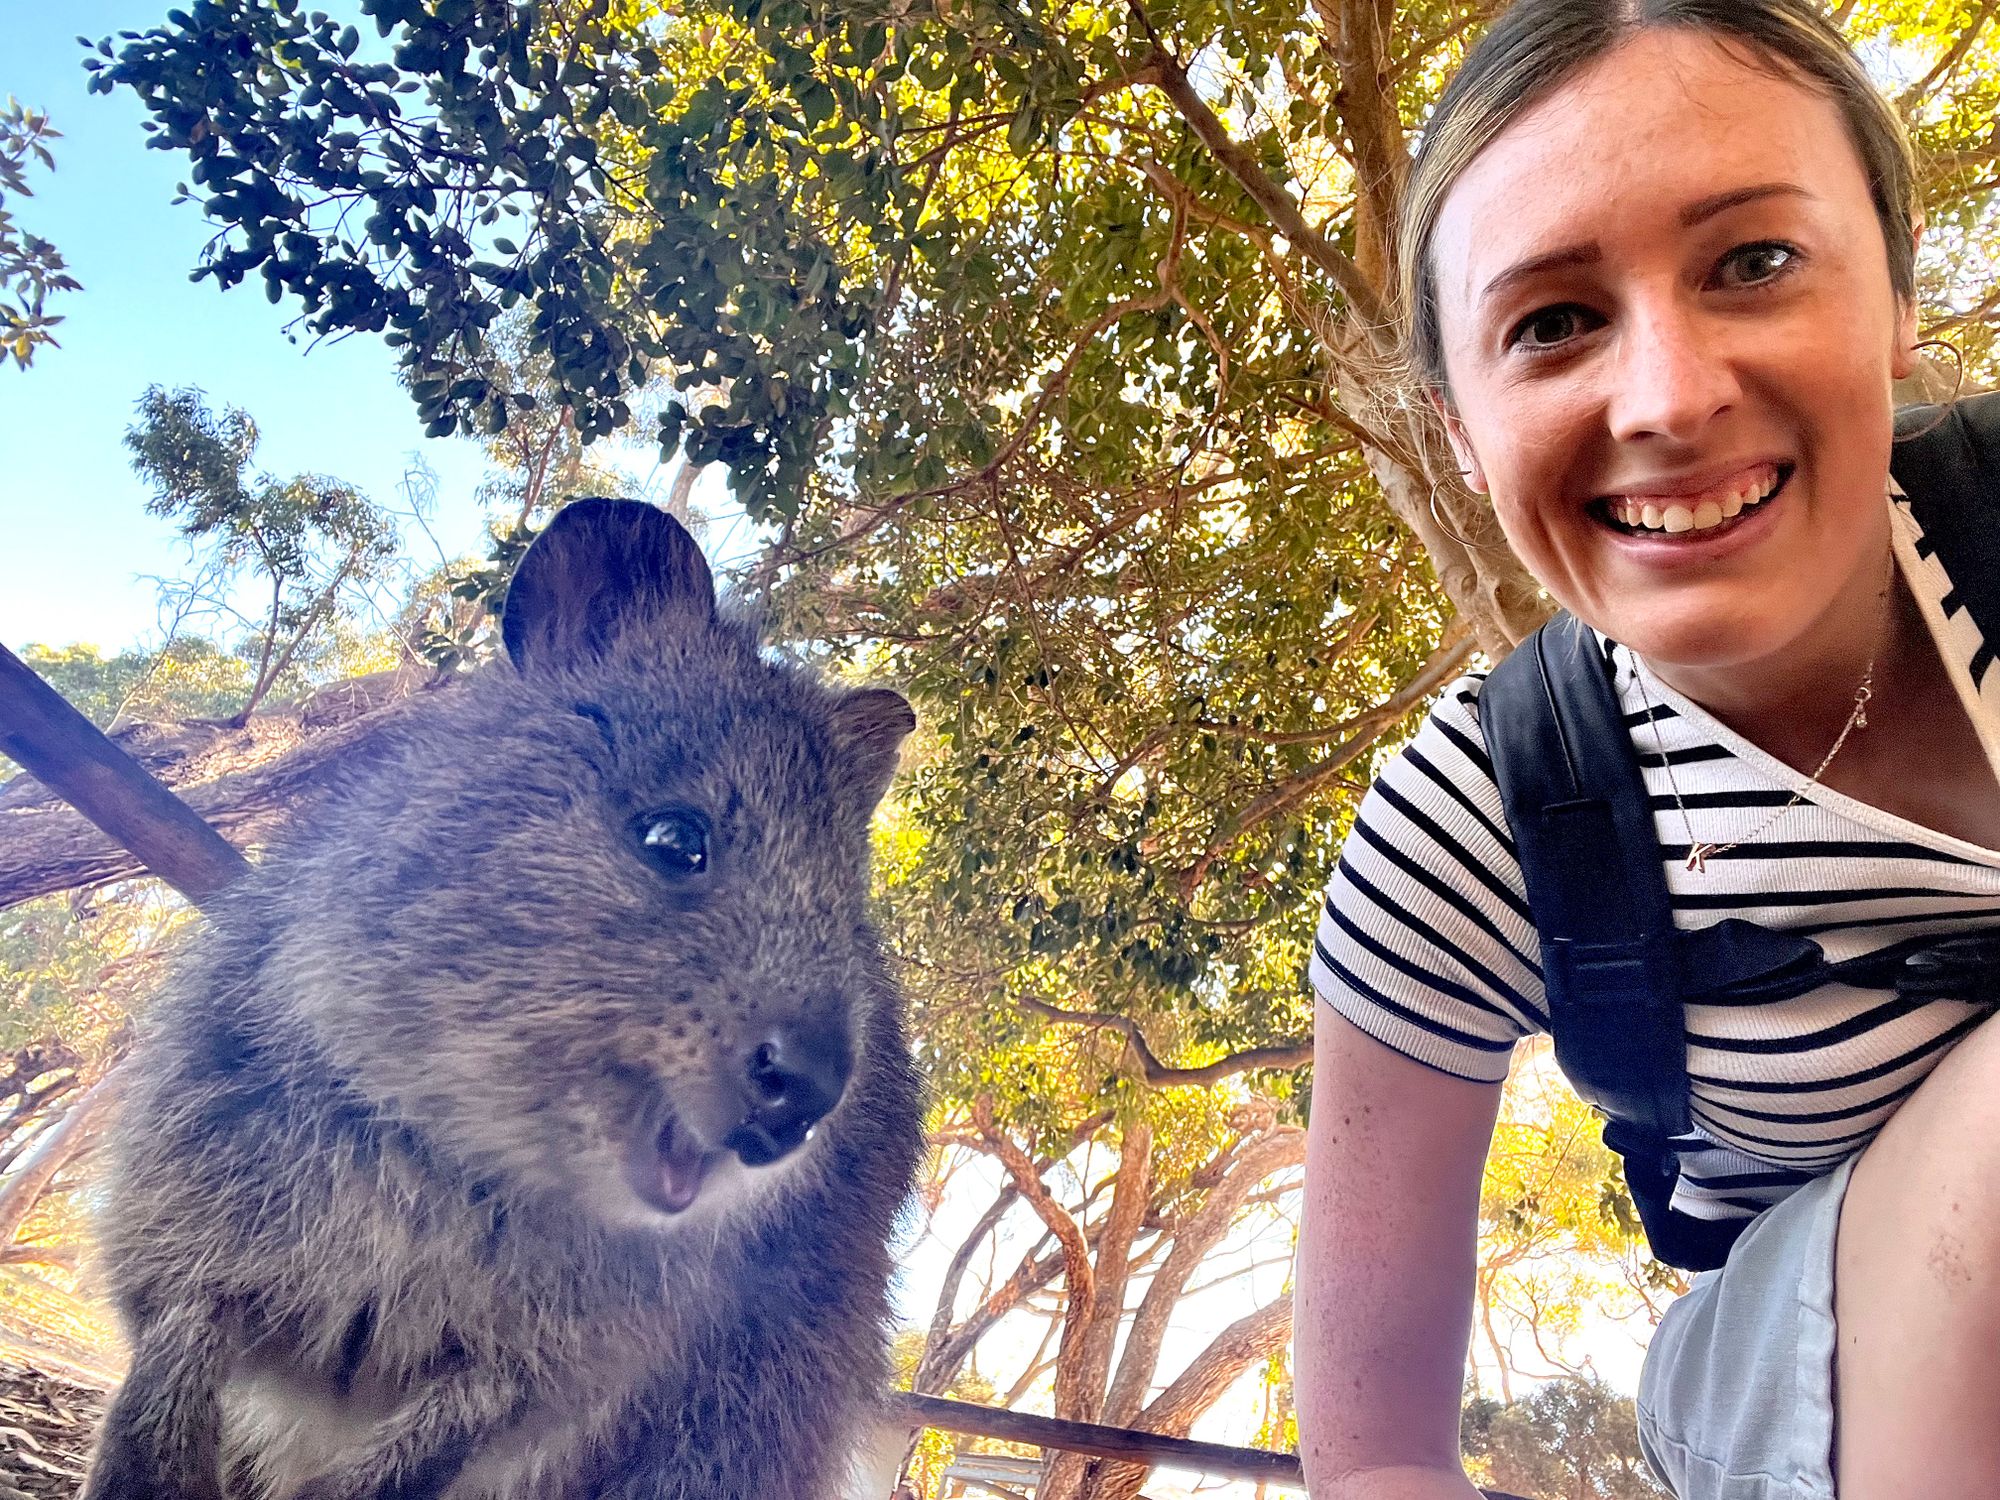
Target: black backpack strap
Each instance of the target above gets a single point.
(1944, 457)
(1580, 817)
(1611, 961)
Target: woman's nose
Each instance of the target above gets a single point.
(1674, 374)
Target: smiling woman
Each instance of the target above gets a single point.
(1713, 313)
(1658, 261)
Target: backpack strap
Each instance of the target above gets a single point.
(1611, 960)
(1939, 453)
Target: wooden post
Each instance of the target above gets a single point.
(70, 755)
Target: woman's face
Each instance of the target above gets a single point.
(1669, 337)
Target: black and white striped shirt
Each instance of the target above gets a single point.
(1426, 942)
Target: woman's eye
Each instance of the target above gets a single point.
(675, 841)
(1752, 265)
(1549, 327)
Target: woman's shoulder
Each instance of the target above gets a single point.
(1425, 941)
(1448, 751)
(1436, 796)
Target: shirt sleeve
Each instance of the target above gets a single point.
(1425, 941)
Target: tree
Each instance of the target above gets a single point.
(1129, 1211)
(539, 458)
(1053, 339)
(307, 538)
(1560, 1241)
(75, 966)
(30, 266)
(1571, 1440)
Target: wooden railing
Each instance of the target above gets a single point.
(71, 757)
(1217, 1460)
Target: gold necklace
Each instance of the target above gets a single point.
(1699, 853)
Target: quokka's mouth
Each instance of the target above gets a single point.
(668, 1170)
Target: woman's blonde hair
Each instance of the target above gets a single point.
(1539, 44)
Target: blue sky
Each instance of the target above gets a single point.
(76, 545)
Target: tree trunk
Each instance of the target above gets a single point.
(1257, 1336)
(1485, 582)
(1256, 1162)
(1086, 1350)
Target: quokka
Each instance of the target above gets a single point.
(534, 1122)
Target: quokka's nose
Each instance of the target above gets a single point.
(793, 1081)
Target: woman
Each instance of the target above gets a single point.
(1658, 281)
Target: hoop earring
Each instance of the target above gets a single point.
(1957, 385)
(1445, 526)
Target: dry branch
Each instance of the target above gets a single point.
(1083, 1358)
(1105, 1442)
(1257, 1335)
(1270, 196)
(1451, 655)
(1078, 1277)
(1196, 1236)
(1162, 1075)
(53, 1150)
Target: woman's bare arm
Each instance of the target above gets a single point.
(1386, 1266)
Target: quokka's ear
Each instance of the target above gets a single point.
(869, 727)
(602, 567)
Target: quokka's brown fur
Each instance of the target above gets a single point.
(396, 1204)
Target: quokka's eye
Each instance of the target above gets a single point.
(675, 841)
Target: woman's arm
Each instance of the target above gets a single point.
(1386, 1264)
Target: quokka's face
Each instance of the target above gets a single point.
(616, 949)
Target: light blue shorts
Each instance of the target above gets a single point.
(1736, 1397)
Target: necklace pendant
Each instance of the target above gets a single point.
(1697, 860)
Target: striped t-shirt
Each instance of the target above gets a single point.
(1427, 945)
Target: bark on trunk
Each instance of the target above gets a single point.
(1251, 1338)
(1486, 584)
(1255, 1164)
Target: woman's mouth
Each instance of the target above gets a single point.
(1703, 516)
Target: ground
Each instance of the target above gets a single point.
(45, 1425)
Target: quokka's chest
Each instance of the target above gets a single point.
(284, 1425)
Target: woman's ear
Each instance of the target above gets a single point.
(1461, 445)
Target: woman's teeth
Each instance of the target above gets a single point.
(1675, 517)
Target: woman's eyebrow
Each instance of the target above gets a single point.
(1698, 212)
(1554, 260)
(1704, 209)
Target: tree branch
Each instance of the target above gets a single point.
(1256, 1163)
(1078, 1277)
(1915, 94)
(1363, 730)
(1172, 80)
(291, 756)
(1357, 34)
(1157, 1074)
(1083, 1362)
(1257, 1335)
(67, 753)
